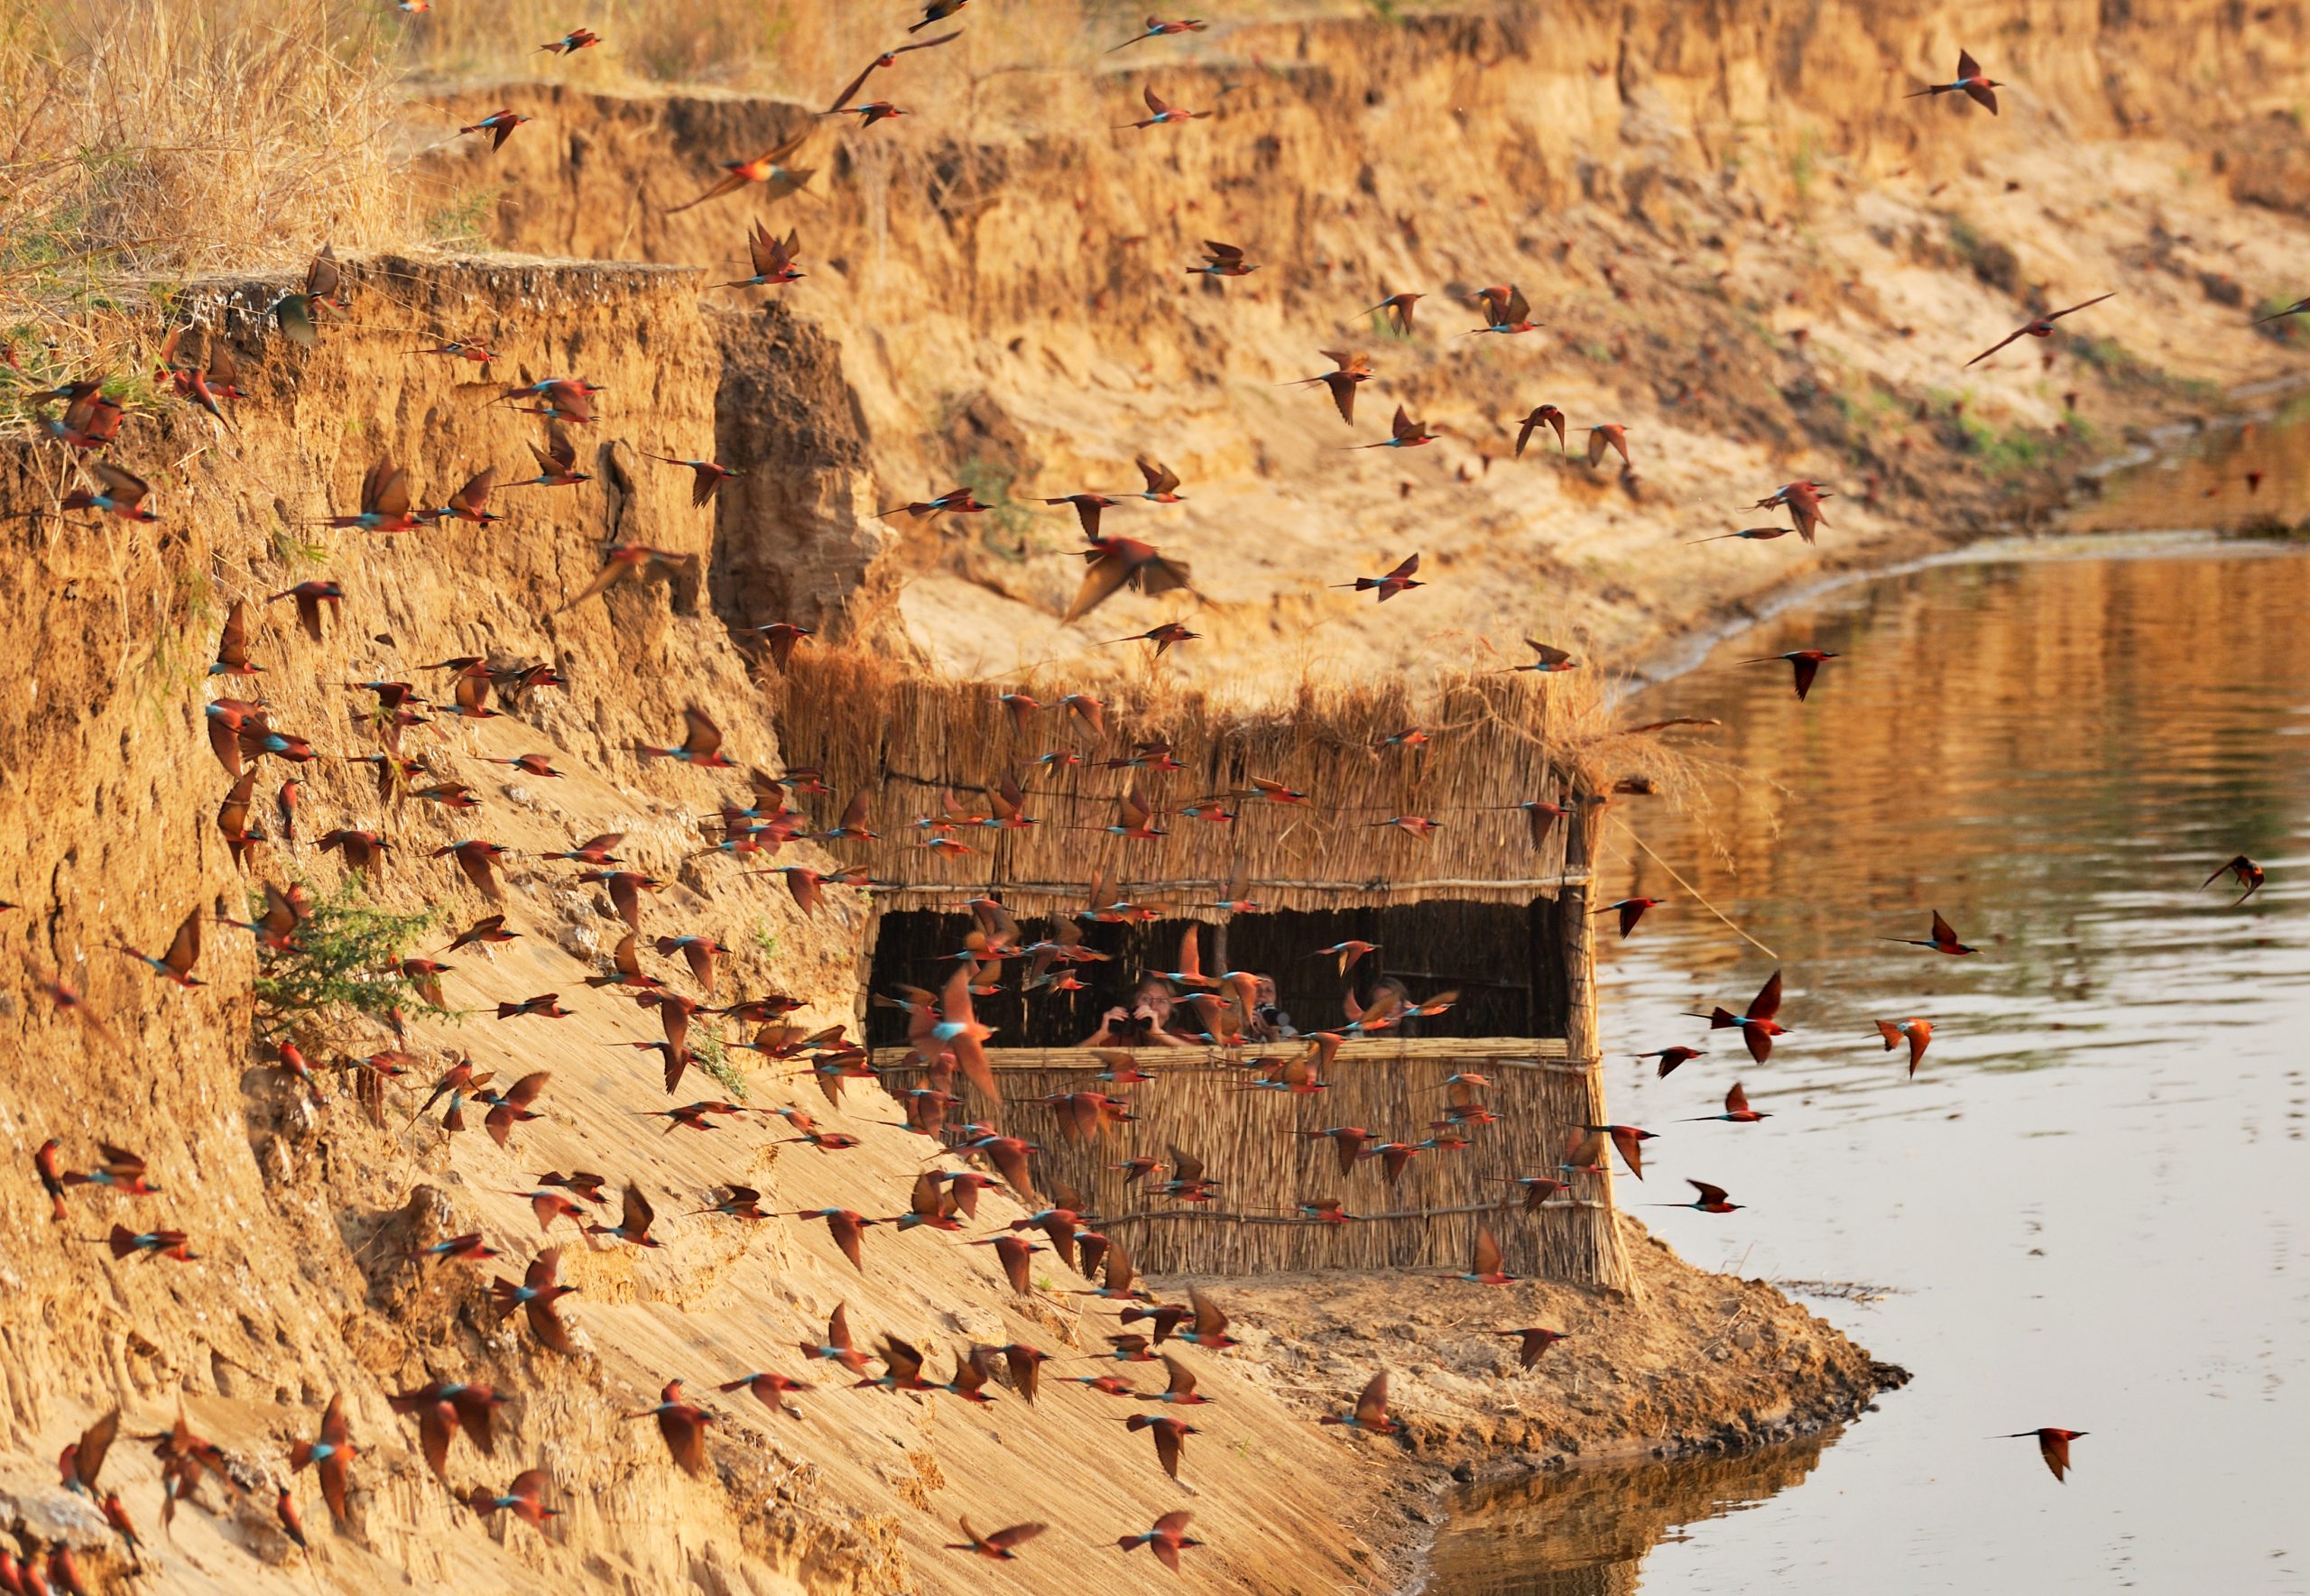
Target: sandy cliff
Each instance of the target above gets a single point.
(1683, 191)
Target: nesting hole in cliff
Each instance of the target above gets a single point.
(1505, 960)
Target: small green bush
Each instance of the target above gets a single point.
(350, 963)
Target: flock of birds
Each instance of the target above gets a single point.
(944, 1035)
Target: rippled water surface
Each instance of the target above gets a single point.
(2086, 1210)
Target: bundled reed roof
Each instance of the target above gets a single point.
(1494, 740)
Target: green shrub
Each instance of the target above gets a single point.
(350, 962)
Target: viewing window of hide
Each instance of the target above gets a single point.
(1506, 961)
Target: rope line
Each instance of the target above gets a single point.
(1696, 898)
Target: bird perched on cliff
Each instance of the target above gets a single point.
(1969, 83)
(1398, 580)
(1160, 114)
(1943, 939)
(766, 167)
(1758, 1026)
(772, 258)
(2249, 875)
(2053, 1445)
(499, 126)
(298, 314)
(1806, 662)
(1404, 433)
(889, 58)
(1917, 1033)
(2042, 328)
(1353, 368)
(1547, 415)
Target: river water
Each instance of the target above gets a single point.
(2087, 1209)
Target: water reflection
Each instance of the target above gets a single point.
(1585, 1532)
(2088, 1197)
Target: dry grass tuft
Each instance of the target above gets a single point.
(149, 141)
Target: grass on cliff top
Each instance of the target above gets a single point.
(146, 141)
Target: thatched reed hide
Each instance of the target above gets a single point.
(868, 725)
(1203, 1105)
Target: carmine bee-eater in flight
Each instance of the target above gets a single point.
(2249, 875)
(1404, 434)
(1610, 434)
(499, 126)
(1547, 415)
(1710, 1199)
(1400, 309)
(1159, 29)
(1970, 83)
(1160, 114)
(1917, 1033)
(869, 112)
(1943, 938)
(889, 58)
(1758, 1027)
(1631, 910)
(772, 258)
(1505, 312)
(1353, 368)
(1546, 659)
(2042, 328)
(118, 493)
(766, 167)
(1222, 260)
(1806, 661)
(571, 43)
(2053, 1445)
(1736, 1109)
(1398, 580)
(707, 479)
(701, 745)
(1370, 1411)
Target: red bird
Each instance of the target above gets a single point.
(1400, 309)
(1398, 580)
(682, 1425)
(1736, 1109)
(536, 1297)
(2053, 1445)
(1488, 1267)
(1710, 1199)
(765, 167)
(1944, 940)
(1353, 369)
(1534, 1340)
(328, 1455)
(500, 126)
(889, 58)
(998, 1546)
(1170, 1435)
(1758, 1026)
(1370, 1412)
(1167, 1539)
(1806, 661)
(1404, 433)
(1164, 637)
(1505, 312)
(701, 746)
(2043, 328)
(1160, 114)
(1631, 910)
(524, 1499)
(1917, 1033)
(2249, 875)
(1547, 415)
(1970, 83)
(1670, 1058)
(1158, 29)
(184, 949)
